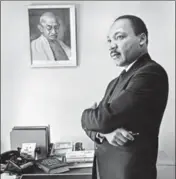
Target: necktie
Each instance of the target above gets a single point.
(58, 52)
(122, 74)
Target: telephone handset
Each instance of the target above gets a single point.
(6, 157)
(11, 161)
(9, 155)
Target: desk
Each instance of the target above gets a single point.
(165, 169)
(83, 173)
(164, 172)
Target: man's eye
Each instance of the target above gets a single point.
(49, 27)
(56, 27)
(120, 37)
(109, 41)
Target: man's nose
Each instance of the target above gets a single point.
(113, 46)
(53, 31)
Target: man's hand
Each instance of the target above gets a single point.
(119, 137)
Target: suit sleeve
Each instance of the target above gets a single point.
(141, 91)
(93, 134)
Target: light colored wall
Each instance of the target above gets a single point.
(57, 96)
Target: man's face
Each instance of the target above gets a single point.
(123, 43)
(50, 28)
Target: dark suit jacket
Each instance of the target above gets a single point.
(135, 102)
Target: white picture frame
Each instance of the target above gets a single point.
(60, 32)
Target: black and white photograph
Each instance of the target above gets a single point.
(87, 90)
(52, 35)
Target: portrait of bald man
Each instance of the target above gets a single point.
(47, 46)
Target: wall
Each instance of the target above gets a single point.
(57, 96)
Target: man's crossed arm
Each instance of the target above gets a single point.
(109, 118)
(118, 137)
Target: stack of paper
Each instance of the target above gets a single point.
(61, 148)
(80, 156)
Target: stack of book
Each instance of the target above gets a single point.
(61, 148)
(52, 165)
(80, 156)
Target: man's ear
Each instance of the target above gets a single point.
(40, 28)
(143, 39)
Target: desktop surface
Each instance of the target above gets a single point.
(56, 177)
(78, 173)
(164, 172)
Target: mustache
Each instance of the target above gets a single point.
(114, 52)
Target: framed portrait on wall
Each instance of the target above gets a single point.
(52, 34)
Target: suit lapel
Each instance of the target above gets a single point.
(110, 90)
(122, 83)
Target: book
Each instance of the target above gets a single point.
(59, 170)
(61, 148)
(52, 165)
(79, 160)
(81, 165)
(80, 156)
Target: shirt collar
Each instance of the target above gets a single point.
(129, 66)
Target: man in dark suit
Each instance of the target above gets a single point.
(125, 124)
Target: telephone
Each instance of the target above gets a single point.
(12, 162)
(9, 155)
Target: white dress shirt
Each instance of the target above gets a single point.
(129, 66)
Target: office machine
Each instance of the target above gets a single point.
(31, 134)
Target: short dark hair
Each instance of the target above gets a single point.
(138, 25)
